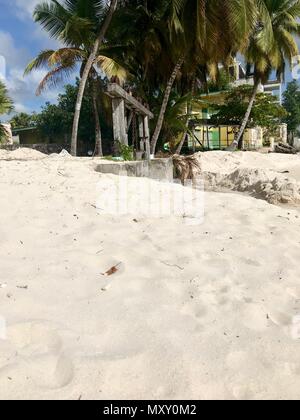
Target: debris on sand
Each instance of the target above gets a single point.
(112, 270)
(285, 148)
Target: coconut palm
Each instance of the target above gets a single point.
(76, 24)
(175, 38)
(6, 106)
(219, 30)
(89, 64)
(60, 64)
(142, 27)
(79, 24)
(272, 44)
(146, 29)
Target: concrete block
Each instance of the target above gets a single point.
(160, 169)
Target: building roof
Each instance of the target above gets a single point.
(23, 129)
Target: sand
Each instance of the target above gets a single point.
(24, 154)
(271, 177)
(204, 311)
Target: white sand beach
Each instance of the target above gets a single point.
(210, 311)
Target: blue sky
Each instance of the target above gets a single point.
(20, 41)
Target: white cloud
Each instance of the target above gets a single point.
(20, 108)
(21, 89)
(15, 56)
(24, 9)
(12, 55)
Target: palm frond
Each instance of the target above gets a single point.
(111, 68)
(41, 61)
(55, 77)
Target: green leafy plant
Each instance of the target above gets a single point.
(291, 104)
(126, 152)
(266, 112)
(23, 120)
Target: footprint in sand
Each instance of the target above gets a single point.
(289, 323)
(195, 309)
(50, 371)
(39, 349)
(279, 318)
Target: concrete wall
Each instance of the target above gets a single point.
(160, 169)
(253, 138)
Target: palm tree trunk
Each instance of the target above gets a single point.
(240, 133)
(98, 138)
(164, 105)
(86, 72)
(179, 148)
(189, 114)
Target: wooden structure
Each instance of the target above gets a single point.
(126, 111)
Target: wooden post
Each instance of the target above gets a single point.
(129, 121)
(207, 136)
(142, 134)
(122, 100)
(119, 121)
(147, 136)
(227, 135)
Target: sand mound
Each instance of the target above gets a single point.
(23, 153)
(4, 154)
(63, 154)
(220, 162)
(274, 178)
(259, 184)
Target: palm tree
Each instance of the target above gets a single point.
(175, 36)
(77, 27)
(89, 64)
(219, 30)
(63, 62)
(6, 106)
(271, 45)
(146, 29)
(165, 102)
